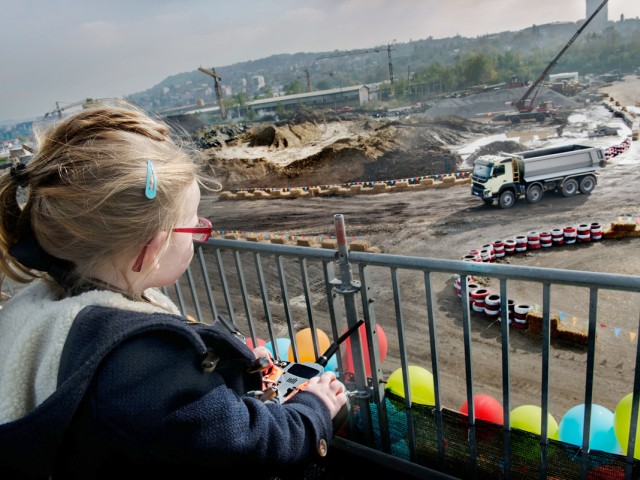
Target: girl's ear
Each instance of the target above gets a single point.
(153, 248)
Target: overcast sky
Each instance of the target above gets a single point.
(69, 50)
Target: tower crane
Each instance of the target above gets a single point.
(369, 50)
(218, 89)
(307, 77)
(58, 110)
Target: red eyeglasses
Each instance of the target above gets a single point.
(201, 233)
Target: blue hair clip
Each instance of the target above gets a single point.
(151, 183)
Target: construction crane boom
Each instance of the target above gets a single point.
(58, 110)
(218, 89)
(368, 50)
(521, 104)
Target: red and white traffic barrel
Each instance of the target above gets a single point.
(489, 253)
(486, 255)
(546, 240)
(521, 243)
(498, 248)
(492, 306)
(477, 299)
(533, 240)
(511, 304)
(457, 283)
(471, 287)
(596, 231)
(475, 253)
(557, 236)
(570, 235)
(509, 246)
(583, 233)
(520, 316)
(457, 286)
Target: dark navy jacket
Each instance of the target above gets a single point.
(136, 394)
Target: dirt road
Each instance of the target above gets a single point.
(447, 223)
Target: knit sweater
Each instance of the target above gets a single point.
(136, 389)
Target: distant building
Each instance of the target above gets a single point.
(336, 99)
(559, 77)
(257, 82)
(600, 21)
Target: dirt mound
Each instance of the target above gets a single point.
(335, 152)
(495, 148)
(295, 135)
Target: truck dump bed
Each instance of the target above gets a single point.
(560, 161)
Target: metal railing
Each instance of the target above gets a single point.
(271, 292)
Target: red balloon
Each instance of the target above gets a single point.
(249, 342)
(485, 408)
(347, 356)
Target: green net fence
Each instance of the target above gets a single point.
(455, 458)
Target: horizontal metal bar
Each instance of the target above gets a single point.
(628, 283)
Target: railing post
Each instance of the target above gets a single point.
(347, 287)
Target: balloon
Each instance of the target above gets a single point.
(347, 357)
(601, 432)
(260, 342)
(304, 342)
(282, 345)
(420, 381)
(529, 418)
(622, 425)
(485, 408)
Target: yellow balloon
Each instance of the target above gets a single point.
(420, 381)
(622, 425)
(529, 418)
(304, 342)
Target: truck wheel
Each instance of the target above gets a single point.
(587, 184)
(507, 199)
(534, 194)
(515, 119)
(540, 117)
(569, 187)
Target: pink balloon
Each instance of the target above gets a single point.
(249, 343)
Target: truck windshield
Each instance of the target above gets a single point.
(482, 171)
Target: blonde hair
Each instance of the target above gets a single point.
(86, 198)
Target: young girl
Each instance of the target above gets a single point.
(100, 375)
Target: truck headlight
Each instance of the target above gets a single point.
(486, 193)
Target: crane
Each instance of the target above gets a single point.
(369, 50)
(523, 104)
(216, 83)
(58, 110)
(307, 76)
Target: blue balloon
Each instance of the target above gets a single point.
(601, 433)
(332, 364)
(282, 345)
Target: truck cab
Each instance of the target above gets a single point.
(492, 176)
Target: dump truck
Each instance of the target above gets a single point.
(568, 169)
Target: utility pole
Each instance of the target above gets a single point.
(218, 89)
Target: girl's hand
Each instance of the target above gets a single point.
(330, 390)
(264, 352)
